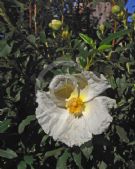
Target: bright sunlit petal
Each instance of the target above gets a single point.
(97, 114)
(95, 86)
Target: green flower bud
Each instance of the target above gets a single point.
(102, 28)
(115, 9)
(55, 24)
(65, 34)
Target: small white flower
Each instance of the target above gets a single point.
(72, 110)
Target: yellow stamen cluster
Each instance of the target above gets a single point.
(75, 106)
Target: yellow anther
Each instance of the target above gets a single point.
(75, 106)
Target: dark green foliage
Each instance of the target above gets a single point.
(24, 53)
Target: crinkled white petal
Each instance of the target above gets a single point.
(47, 113)
(97, 115)
(95, 85)
(59, 124)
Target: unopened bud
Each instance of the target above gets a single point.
(55, 24)
(115, 9)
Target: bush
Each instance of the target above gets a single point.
(27, 44)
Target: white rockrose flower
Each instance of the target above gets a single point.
(72, 110)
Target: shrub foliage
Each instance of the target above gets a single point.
(27, 44)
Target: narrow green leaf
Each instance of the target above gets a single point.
(77, 160)
(4, 125)
(113, 36)
(18, 95)
(122, 134)
(22, 165)
(87, 39)
(104, 47)
(25, 123)
(9, 154)
(2, 9)
(82, 61)
(4, 15)
(53, 152)
(62, 160)
(43, 141)
(131, 143)
(42, 37)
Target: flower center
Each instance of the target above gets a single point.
(75, 106)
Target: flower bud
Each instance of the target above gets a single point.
(55, 24)
(102, 28)
(115, 9)
(65, 34)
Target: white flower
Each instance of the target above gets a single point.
(72, 111)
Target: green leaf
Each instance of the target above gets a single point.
(87, 150)
(9, 154)
(122, 134)
(87, 39)
(62, 160)
(5, 49)
(82, 61)
(77, 160)
(32, 38)
(131, 143)
(25, 123)
(19, 4)
(31, 167)
(42, 37)
(18, 96)
(4, 125)
(117, 157)
(2, 44)
(104, 47)
(102, 165)
(5, 16)
(43, 141)
(121, 84)
(28, 159)
(112, 82)
(53, 152)
(2, 9)
(76, 43)
(113, 36)
(22, 165)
